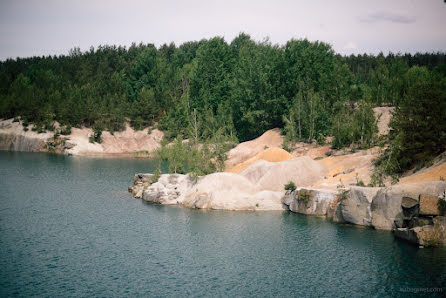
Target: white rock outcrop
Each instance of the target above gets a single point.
(218, 191)
(168, 190)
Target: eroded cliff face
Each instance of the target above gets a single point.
(13, 137)
(10, 142)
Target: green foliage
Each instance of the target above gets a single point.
(355, 125)
(156, 174)
(197, 159)
(377, 177)
(303, 196)
(290, 186)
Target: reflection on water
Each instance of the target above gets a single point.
(68, 227)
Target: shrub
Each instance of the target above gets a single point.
(157, 174)
(304, 196)
(290, 186)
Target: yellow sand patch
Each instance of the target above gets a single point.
(271, 154)
(244, 151)
(430, 174)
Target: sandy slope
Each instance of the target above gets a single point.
(433, 173)
(246, 150)
(271, 154)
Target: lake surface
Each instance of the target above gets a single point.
(68, 227)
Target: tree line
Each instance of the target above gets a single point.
(233, 91)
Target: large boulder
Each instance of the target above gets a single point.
(429, 204)
(143, 178)
(386, 206)
(230, 191)
(411, 207)
(356, 206)
(170, 189)
(303, 171)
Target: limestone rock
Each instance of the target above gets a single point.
(142, 178)
(429, 204)
(230, 191)
(310, 201)
(288, 198)
(334, 210)
(356, 207)
(420, 221)
(411, 207)
(409, 202)
(428, 235)
(386, 206)
(169, 190)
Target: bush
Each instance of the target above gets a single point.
(66, 130)
(97, 133)
(290, 186)
(304, 196)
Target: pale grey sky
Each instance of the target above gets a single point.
(47, 27)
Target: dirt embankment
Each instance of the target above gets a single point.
(13, 137)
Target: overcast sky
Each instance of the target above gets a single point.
(47, 27)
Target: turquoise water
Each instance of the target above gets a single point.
(68, 227)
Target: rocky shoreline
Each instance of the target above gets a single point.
(410, 211)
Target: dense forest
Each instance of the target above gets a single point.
(214, 89)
